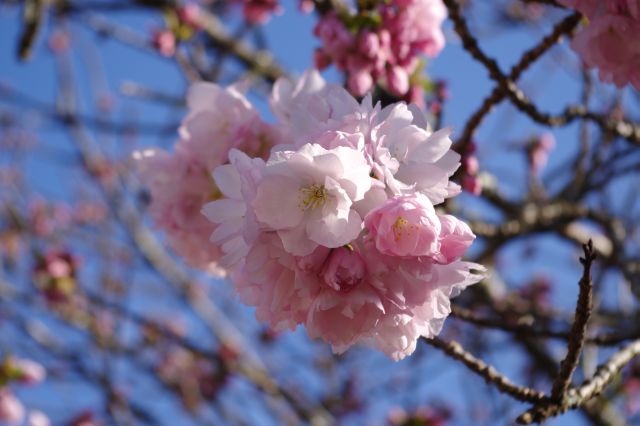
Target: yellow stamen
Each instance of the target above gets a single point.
(312, 196)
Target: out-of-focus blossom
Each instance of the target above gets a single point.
(11, 409)
(37, 418)
(538, 151)
(27, 371)
(386, 50)
(426, 415)
(189, 14)
(472, 184)
(260, 11)
(59, 42)
(180, 183)
(470, 168)
(165, 42)
(48, 218)
(609, 41)
(196, 378)
(86, 418)
(55, 275)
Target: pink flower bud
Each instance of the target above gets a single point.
(189, 15)
(397, 80)
(59, 42)
(368, 44)
(360, 82)
(260, 11)
(306, 6)
(435, 107)
(321, 59)
(538, 158)
(455, 238)
(165, 42)
(470, 164)
(31, 372)
(471, 184)
(547, 141)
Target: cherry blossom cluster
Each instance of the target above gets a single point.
(382, 45)
(334, 228)
(609, 40)
(19, 371)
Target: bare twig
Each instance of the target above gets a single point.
(488, 372)
(579, 328)
(621, 128)
(32, 18)
(590, 388)
(528, 58)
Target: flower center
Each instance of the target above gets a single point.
(401, 227)
(312, 196)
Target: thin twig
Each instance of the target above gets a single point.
(579, 328)
(590, 388)
(487, 372)
(528, 58)
(621, 128)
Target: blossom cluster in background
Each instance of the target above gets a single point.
(19, 371)
(382, 45)
(334, 227)
(609, 42)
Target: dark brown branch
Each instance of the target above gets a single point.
(487, 372)
(603, 339)
(619, 128)
(590, 388)
(498, 94)
(579, 328)
(32, 19)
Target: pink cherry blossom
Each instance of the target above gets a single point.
(608, 42)
(290, 229)
(455, 238)
(402, 151)
(410, 158)
(405, 226)
(307, 196)
(343, 269)
(238, 227)
(309, 107)
(180, 183)
(179, 186)
(267, 279)
(398, 332)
